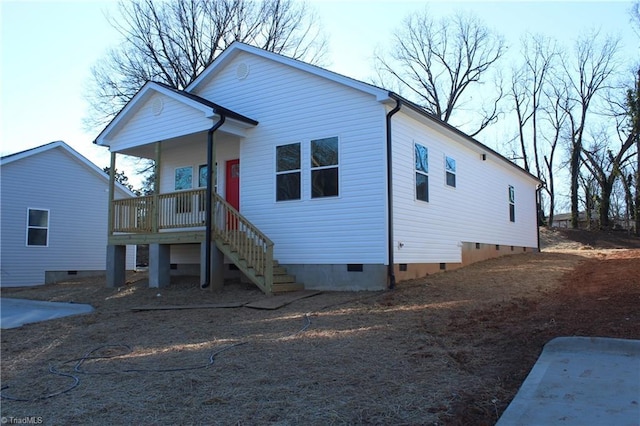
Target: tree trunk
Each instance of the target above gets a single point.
(605, 204)
(575, 171)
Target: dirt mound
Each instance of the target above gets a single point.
(558, 239)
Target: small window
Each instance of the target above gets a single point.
(202, 183)
(37, 228)
(450, 170)
(324, 167)
(202, 176)
(422, 172)
(288, 172)
(183, 178)
(512, 204)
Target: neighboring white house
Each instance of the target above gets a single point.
(53, 215)
(350, 185)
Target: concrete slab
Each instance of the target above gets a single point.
(580, 381)
(17, 312)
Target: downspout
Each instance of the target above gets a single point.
(209, 209)
(391, 275)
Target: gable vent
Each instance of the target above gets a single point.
(157, 106)
(242, 71)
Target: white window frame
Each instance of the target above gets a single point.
(512, 204)
(175, 171)
(421, 172)
(29, 227)
(453, 172)
(284, 172)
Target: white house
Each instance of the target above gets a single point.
(53, 216)
(346, 185)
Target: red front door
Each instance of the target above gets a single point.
(232, 190)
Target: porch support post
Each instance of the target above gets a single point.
(116, 265)
(159, 265)
(217, 266)
(112, 183)
(156, 189)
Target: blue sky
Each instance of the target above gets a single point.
(48, 47)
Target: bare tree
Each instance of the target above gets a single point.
(633, 105)
(635, 17)
(588, 76)
(606, 167)
(442, 63)
(556, 117)
(528, 93)
(173, 41)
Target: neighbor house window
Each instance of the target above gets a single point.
(512, 204)
(288, 172)
(37, 228)
(324, 167)
(450, 170)
(422, 172)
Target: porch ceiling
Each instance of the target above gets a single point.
(185, 142)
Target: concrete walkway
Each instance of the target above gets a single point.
(17, 312)
(580, 381)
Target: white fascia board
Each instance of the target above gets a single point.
(237, 47)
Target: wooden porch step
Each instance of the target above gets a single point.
(279, 288)
(283, 278)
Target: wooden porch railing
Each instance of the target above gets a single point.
(187, 209)
(184, 209)
(243, 237)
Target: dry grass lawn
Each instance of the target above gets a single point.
(451, 348)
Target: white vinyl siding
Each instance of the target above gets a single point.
(474, 212)
(76, 198)
(175, 119)
(293, 106)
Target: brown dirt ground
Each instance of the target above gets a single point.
(451, 348)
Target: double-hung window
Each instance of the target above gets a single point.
(183, 179)
(421, 155)
(450, 171)
(324, 167)
(512, 204)
(288, 172)
(37, 228)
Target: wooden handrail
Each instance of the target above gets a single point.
(252, 246)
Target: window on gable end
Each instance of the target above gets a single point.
(37, 228)
(324, 167)
(421, 157)
(288, 172)
(450, 171)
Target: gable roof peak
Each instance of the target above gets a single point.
(238, 47)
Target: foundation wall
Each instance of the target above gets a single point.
(471, 253)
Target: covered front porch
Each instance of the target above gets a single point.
(182, 137)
